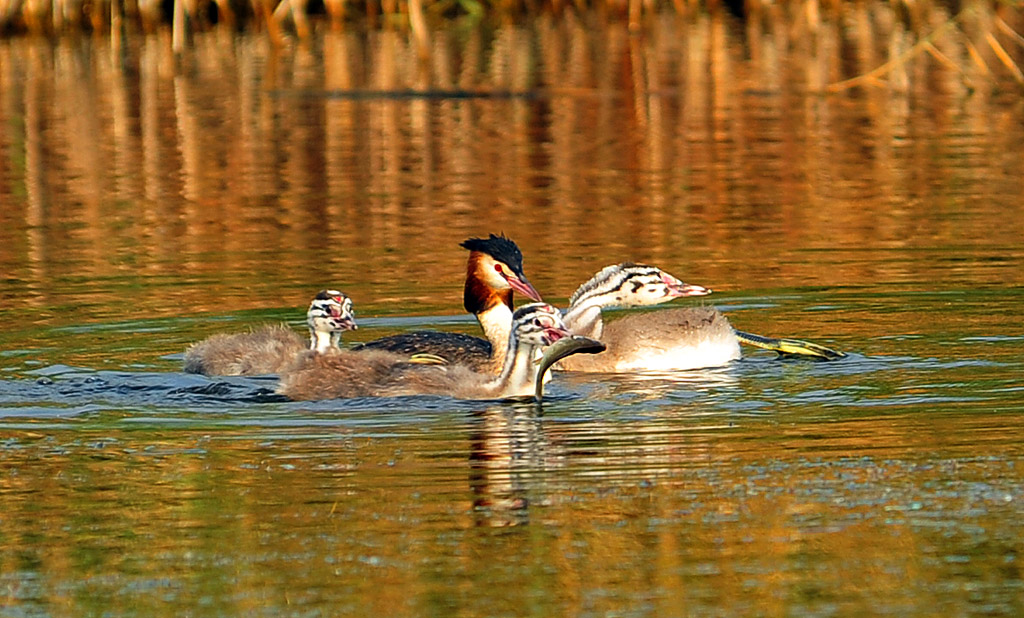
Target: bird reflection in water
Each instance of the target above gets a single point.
(508, 449)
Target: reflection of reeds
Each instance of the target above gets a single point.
(253, 151)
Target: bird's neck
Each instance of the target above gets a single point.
(518, 373)
(492, 307)
(584, 318)
(497, 323)
(320, 341)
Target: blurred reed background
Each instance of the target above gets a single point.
(713, 146)
(984, 25)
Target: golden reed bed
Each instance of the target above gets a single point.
(986, 25)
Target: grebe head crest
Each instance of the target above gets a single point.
(501, 264)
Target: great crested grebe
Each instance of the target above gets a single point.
(494, 270)
(669, 339)
(271, 349)
(376, 373)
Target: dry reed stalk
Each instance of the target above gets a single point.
(296, 9)
(941, 57)
(372, 13)
(917, 48)
(178, 27)
(978, 60)
(149, 14)
(336, 13)
(261, 8)
(635, 10)
(101, 14)
(1005, 27)
(1004, 57)
(300, 18)
(280, 12)
(418, 24)
(58, 9)
(35, 14)
(812, 13)
(225, 14)
(115, 22)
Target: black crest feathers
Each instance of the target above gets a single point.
(500, 248)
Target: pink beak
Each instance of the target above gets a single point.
(524, 287)
(346, 324)
(555, 333)
(678, 289)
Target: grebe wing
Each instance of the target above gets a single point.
(456, 348)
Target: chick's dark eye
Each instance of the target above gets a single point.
(536, 322)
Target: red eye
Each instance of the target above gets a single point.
(497, 267)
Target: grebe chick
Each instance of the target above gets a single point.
(668, 339)
(494, 270)
(376, 373)
(273, 348)
(684, 338)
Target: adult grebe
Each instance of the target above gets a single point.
(494, 270)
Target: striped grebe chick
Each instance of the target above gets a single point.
(664, 340)
(272, 348)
